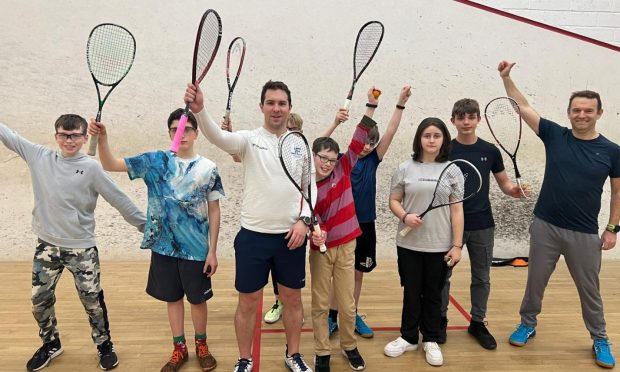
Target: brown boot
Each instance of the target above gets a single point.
(206, 360)
(178, 358)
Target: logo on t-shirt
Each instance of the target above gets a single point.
(484, 158)
(79, 171)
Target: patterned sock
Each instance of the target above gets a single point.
(179, 343)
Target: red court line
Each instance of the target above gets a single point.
(539, 24)
(458, 306)
(258, 330)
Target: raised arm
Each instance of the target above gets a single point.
(343, 114)
(108, 161)
(609, 238)
(394, 122)
(531, 117)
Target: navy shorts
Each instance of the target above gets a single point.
(258, 253)
(171, 278)
(366, 248)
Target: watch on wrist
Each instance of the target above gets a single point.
(306, 220)
(613, 228)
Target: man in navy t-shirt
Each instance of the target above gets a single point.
(578, 162)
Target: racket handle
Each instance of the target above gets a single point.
(227, 119)
(347, 104)
(404, 231)
(323, 247)
(92, 146)
(176, 142)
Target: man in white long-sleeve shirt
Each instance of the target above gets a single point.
(274, 222)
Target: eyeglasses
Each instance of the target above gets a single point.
(189, 129)
(70, 136)
(325, 160)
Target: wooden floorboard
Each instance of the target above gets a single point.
(142, 337)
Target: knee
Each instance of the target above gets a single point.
(248, 302)
(291, 298)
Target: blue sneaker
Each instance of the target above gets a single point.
(520, 336)
(362, 328)
(331, 326)
(602, 353)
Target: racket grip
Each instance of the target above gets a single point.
(347, 104)
(92, 146)
(176, 142)
(323, 247)
(227, 120)
(404, 231)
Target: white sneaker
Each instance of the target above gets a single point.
(398, 347)
(433, 353)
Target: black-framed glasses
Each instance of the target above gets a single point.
(188, 129)
(325, 159)
(70, 136)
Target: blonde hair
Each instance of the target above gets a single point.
(295, 122)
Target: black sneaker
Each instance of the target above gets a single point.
(321, 363)
(356, 362)
(481, 333)
(107, 356)
(443, 332)
(44, 355)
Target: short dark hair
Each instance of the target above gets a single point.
(275, 85)
(586, 94)
(71, 122)
(373, 135)
(176, 115)
(444, 151)
(465, 106)
(325, 143)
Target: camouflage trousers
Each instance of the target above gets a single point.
(47, 266)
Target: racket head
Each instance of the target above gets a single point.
(234, 61)
(110, 52)
(503, 117)
(208, 40)
(296, 160)
(367, 43)
(459, 180)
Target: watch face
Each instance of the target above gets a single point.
(307, 220)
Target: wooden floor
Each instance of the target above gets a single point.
(142, 337)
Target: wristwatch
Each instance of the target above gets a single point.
(613, 228)
(306, 220)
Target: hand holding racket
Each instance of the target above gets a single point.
(458, 181)
(367, 43)
(296, 160)
(208, 40)
(503, 117)
(110, 53)
(234, 63)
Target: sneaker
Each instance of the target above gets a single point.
(178, 358)
(602, 353)
(321, 363)
(107, 356)
(398, 347)
(331, 326)
(295, 362)
(356, 362)
(443, 333)
(481, 333)
(243, 365)
(275, 313)
(520, 336)
(433, 353)
(362, 328)
(44, 355)
(205, 358)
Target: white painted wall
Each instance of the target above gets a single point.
(598, 19)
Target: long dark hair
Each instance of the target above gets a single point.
(444, 151)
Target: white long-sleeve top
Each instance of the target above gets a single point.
(271, 204)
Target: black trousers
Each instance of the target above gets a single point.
(422, 276)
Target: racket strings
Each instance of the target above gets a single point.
(367, 43)
(458, 181)
(110, 53)
(235, 57)
(207, 45)
(504, 120)
(296, 159)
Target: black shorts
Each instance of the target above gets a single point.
(257, 253)
(171, 278)
(366, 248)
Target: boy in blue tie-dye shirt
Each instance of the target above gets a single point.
(183, 221)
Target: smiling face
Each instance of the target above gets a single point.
(275, 109)
(70, 142)
(324, 163)
(583, 114)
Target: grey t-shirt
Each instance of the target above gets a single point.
(415, 182)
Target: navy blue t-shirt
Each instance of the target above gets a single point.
(364, 184)
(575, 173)
(487, 159)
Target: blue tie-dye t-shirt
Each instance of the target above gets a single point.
(177, 223)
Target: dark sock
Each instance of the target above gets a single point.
(333, 315)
